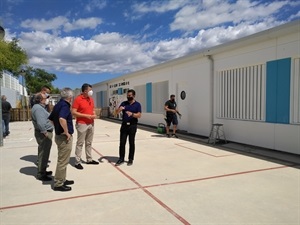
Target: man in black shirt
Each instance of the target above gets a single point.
(6, 107)
(171, 117)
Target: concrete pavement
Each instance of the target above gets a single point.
(172, 181)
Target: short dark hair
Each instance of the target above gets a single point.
(45, 87)
(132, 91)
(172, 96)
(85, 86)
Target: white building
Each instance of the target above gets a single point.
(12, 89)
(251, 85)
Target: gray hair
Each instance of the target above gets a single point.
(38, 98)
(66, 93)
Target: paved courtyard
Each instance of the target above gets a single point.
(172, 181)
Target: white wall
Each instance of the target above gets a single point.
(284, 137)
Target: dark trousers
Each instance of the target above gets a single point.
(6, 119)
(127, 131)
(44, 148)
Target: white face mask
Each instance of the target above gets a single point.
(46, 95)
(47, 101)
(90, 93)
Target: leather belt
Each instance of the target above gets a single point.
(128, 123)
(50, 131)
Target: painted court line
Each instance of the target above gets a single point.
(205, 153)
(144, 189)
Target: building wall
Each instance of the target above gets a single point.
(273, 135)
(239, 85)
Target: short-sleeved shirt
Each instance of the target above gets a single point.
(134, 108)
(84, 105)
(6, 107)
(171, 105)
(62, 110)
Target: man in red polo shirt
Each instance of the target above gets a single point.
(83, 110)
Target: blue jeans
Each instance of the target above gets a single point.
(5, 123)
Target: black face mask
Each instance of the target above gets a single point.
(172, 100)
(129, 98)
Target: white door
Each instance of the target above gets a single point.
(182, 97)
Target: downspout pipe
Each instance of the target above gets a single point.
(212, 85)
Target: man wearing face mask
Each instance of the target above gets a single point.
(171, 117)
(43, 130)
(132, 110)
(44, 90)
(83, 110)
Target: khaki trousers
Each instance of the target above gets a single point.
(85, 134)
(64, 148)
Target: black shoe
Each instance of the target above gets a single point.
(44, 178)
(168, 135)
(120, 161)
(48, 173)
(92, 162)
(130, 162)
(62, 188)
(174, 135)
(79, 166)
(68, 182)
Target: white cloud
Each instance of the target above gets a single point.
(61, 22)
(43, 25)
(109, 52)
(158, 6)
(95, 4)
(90, 23)
(209, 14)
(117, 53)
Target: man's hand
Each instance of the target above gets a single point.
(179, 115)
(68, 136)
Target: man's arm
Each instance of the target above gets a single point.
(78, 114)
(169, 110)
(64, 125)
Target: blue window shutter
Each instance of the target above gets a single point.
(271, 92)
(149, 97)
(278, 91)
(283, 89)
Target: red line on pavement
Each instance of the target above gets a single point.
(177, 216)
(218, 176)
(195, 150)
(67, 198)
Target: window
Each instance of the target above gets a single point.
(241, 93)
(160, 94)
(140, 96)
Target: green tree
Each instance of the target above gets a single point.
(12, 56)
(36, 78)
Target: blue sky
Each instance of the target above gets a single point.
(95, 40)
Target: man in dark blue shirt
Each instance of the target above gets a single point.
(131, 110)
(63, 124)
